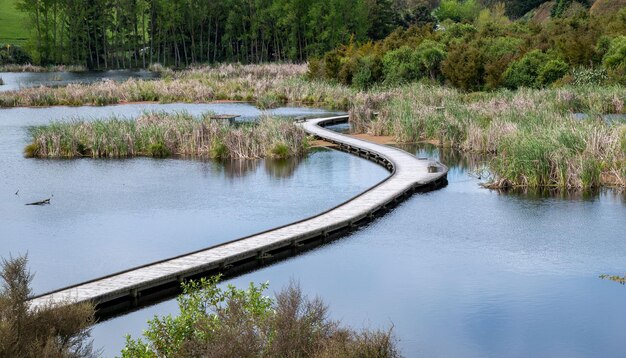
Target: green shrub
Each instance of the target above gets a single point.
(399, 66)
(369, 71)
(525, 71)
(429, 55)
(280, 150)
(463, 68)
(551, 71)
(218, 150)
(454, 33)
(458, 11)
(232, 322)
(616, 53)
(13, 54)
(158, 150)
(498, 54)
(615, 60)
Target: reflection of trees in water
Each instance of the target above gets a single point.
(281, 168)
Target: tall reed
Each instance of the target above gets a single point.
(159, 134)
(534, 137)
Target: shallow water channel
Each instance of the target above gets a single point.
(16, 80)
(462, 271)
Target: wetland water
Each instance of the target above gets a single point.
(108, 215)
(462, 271)
(466, 272)
(16, 80)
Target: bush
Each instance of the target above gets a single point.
(399, 66)
(463, 68)
(233, 322)
(615, 60)
(369, 71)
(525, 71)
(12, 54)
(459, 11)
(429, 55)
(498, 54)
(551, 71)
(43, 332)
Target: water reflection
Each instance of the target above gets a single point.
(465, 272)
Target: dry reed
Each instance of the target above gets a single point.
(159, 134)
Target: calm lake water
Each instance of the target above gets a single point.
(460, 272)
(466, 272)
(16, 80)
(108, 215)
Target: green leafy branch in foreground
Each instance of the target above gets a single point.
(159, 134)
(231, 322)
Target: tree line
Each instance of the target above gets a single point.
(137, 33)
(472, 47)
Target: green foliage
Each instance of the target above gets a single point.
(457, 10)
(560, 7)
(232, 322)
(429, 55)
(400, 66)
(455, 33)
(551, 71)
(280, 150)
(369, 71)
(157, 150)
(586, 76)
(534, 70)
(462, 68)
(13, 54)
(615, 59)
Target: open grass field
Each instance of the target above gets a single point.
(13, 24)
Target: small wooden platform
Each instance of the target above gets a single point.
(126, 288)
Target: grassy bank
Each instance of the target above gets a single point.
(33, 68)
(268, 85)
(533, 136)
(163, 135)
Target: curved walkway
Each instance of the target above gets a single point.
(126, 288)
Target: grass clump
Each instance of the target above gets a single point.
(162, 135)
(533, 136)
(233, 322)
(57, 332)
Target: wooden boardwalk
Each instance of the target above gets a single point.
(124, 289)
